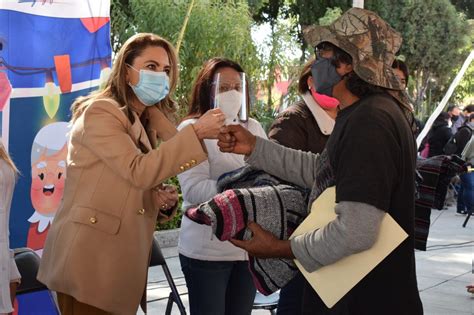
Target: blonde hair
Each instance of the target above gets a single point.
(117, 86)
(4, 156)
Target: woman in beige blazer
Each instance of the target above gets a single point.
(97, 251)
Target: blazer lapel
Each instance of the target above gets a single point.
(144, 138)
(138, 133)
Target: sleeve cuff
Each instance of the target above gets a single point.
(256, 155)
(301, 253)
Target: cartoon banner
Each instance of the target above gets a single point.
(51, 52)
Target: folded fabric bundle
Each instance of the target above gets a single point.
(422, 226)
(254, 195)
(436, 173)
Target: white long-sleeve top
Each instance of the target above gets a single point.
(8, 270)
(199, 185)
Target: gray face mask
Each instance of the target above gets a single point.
(325, 76)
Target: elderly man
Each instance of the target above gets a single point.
(370, 157)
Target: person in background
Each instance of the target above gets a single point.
(467, 111)
(217, 275)
(456, 146)
(305, 126)
(401, 71)
(465, 201)
(456, 117)
(439, 135)
(370, 158)
(98, 248)
(9, 275)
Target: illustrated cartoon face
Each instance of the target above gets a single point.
(47, 183)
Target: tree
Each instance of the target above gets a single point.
(300, 13)
(308, 12)
(464, 93)
(268, 11)
(286, 20)
(466, 6)
(465, 89)
(215, 28)
(434, 36)
(330, 16)
(121, 20)
(276, 63)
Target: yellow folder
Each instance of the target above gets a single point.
(332, 282)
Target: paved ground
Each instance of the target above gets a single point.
(443, 270)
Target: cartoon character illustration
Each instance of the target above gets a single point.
(48, 172)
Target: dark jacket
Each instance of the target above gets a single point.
(296, 128)
(439, 135)
(463, 136)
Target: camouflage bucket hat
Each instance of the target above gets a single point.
(370, 41)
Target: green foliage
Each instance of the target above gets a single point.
(434, 42)
(464, 93)
(275, 67)
(466, 6)
(215, 28)
(465, 89)
(434, 38)
(293, 95)
(122, 26)
(255, 5)
(308, 12)
(224, 26)
(300, 12)
(390, 11)
(263, 114)
(268, 11)
(176, 221)
(330, 16)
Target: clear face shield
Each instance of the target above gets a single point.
(230, 95)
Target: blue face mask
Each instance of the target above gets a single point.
(325, 76)
(152, 86)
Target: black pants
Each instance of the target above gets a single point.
(313, 305)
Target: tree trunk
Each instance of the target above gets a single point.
(271, 68)
(422, 79)
(303, 49)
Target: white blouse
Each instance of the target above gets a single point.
(8, 270)
(199, 185)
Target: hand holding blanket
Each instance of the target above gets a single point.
(251, 195)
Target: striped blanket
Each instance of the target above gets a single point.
(248, 194)
(436, 173)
